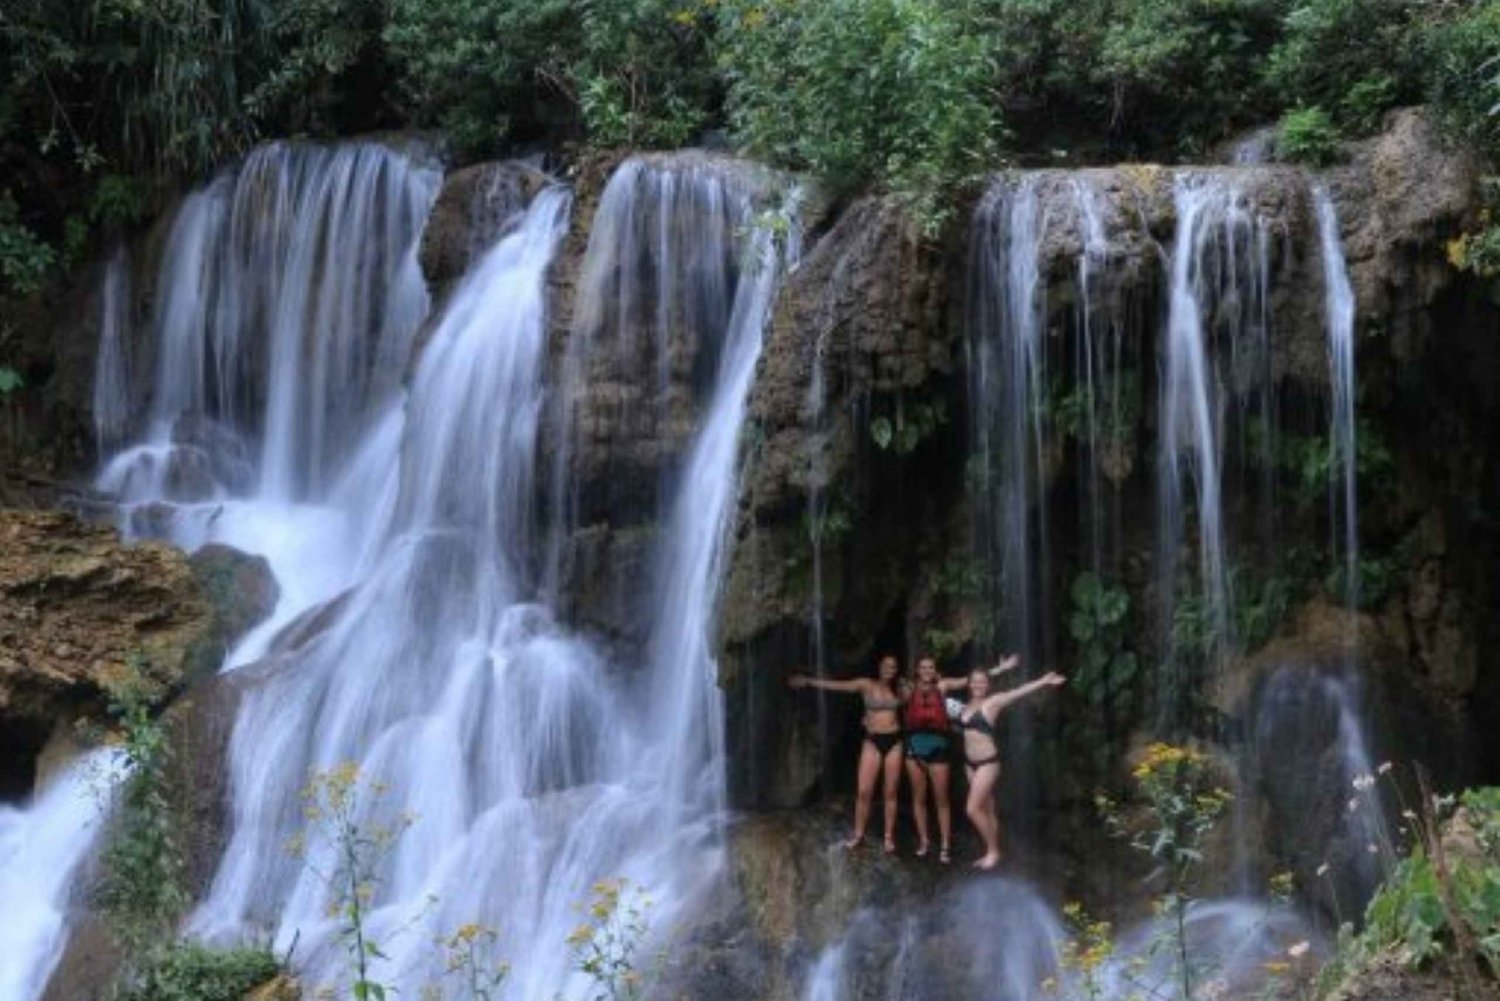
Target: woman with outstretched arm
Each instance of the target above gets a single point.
(880, 751)
(982, 753)
(929, 748)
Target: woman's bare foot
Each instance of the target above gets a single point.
(854, 841)
(943, 855)
(922, 850)
(987, 861)
(890, 846)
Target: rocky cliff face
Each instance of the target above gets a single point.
(859, 510)
(78, 609)
(849, 542)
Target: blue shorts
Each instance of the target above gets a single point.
(929, 748)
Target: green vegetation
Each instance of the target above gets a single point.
(140, 892)
(337, 804)
(469, 957)
(1440, 903)
(1175, 806)
(1352, 59)
(186, 971)
(1308, 135)
(107, 104)
(623, 72)
(1155, 77)
(606, 946)
(1099, 625)
(909, 426)
(1431, 905)
(895, 92)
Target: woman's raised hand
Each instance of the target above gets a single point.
(1053, 679)
(1008, 663)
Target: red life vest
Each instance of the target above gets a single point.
(926, 711)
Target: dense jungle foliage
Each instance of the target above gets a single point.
(107, 104)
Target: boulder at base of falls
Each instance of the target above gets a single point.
(76, 604)
(791, 891)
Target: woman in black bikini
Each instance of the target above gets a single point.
(880, 751)
(927, 748)
(982, 753)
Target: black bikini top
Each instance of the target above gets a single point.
(978, 722)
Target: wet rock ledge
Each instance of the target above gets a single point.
(77, 605)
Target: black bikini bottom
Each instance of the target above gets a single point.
(884, 742)
(993, 759)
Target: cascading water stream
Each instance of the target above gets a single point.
(1100, 375)
(1312, 762)
(1008, 374)
(41, 847)
(1338, 312)
(532, 769)
(289, 297)
(1215, 306)
(655, 294)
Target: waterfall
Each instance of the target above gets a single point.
(995, 938)
(1008, 376)
(655, 295)
(1312, 761)
(820, 525)
(437, 675)
(41, 846)
(288, 299)
(1338, 312)
(1218, 266)
(1096, 364)
(111, 401)
(826, 979)
(417, 571)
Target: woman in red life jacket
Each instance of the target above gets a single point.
(880, 751)
(928, 748)
(982, 753)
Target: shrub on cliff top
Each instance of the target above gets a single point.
(630, 72)
(891, 92)
(1353, 58)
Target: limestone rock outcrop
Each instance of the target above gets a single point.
(473, 210)
(77, 606)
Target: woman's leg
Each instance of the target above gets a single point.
(869, 768)
(981, 810)
(940, 778)
(892, 789)
(918, 779)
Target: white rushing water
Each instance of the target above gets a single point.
(1217, 319)
(531, 765)
(1008, 374)
(41, 847)
(1338, 312)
